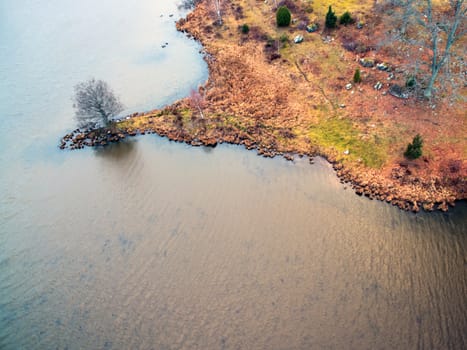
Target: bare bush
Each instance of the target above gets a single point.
(196, 101)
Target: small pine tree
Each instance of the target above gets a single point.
(357, 78)
(346, 18)
(414, 149)
(283, 16)
(245, 29)
(331, 18)
(410, 82)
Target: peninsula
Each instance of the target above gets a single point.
(292, 91)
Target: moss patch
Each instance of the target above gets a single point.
(340, 135)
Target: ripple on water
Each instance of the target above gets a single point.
(153, 244)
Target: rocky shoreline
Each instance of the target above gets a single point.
(245, 104)
(79, 139)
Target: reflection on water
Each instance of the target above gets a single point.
(117, 152)
(150, 244)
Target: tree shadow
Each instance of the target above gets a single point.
(117, 152)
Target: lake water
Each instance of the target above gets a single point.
(151, 244)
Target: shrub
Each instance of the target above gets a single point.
(331, 18)
(410, 82)
(283, 16)
(357, 77)
(346, 18)
(414, 149)
(245, 29)
(271, 43)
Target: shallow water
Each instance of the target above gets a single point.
(151, 244)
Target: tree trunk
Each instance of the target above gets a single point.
(217, 6)
(201, 112)
(429, 88)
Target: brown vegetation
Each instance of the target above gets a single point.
(278, 97)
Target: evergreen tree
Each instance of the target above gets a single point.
(331, 18)
(346, 18)
(357, 77)
(283, 16)
(414, 149)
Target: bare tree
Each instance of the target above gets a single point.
(438, 30)
(196, 101)
(217, 8)
(408, 13)
(95, 103)
(452, 26)
(188, 4)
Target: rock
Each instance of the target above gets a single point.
(443, 207)
(298, 39)
(360, 24)
(80, 137)
(210, 142)
(398, 91)
(367, 62)
(342, 105)
(382, 66)
(312, 28)
(348, 86)
(428, 206)
(346, 152)
(378, 86)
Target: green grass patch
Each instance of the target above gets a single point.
(236, 123)
(341, 135)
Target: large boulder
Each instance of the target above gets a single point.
(398, 91)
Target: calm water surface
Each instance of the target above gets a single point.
(155, 245)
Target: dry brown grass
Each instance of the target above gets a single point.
(299, 103)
